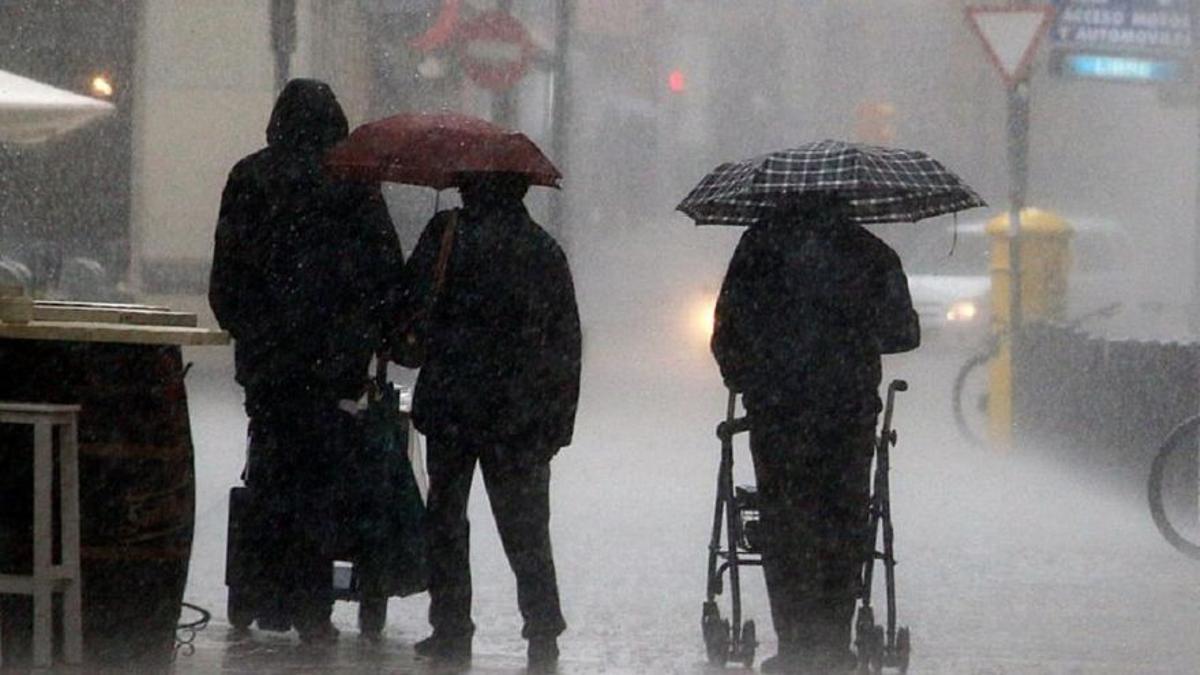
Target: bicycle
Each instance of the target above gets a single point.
(967, 379)
(1173, 488)
(970, 371)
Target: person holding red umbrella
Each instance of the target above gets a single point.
(488, 313)
(496, 319)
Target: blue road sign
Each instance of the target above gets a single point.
(1128, 68)
(1160, 28)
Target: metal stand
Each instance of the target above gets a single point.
(725, 641)
(880, 648)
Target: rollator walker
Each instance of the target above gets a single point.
(736, 516)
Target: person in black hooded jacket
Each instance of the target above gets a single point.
(304, 277)
(809, 303)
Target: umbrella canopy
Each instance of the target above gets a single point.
(32, 112)
(879, 185)
(435, 150)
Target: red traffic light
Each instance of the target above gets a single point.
(676, 82)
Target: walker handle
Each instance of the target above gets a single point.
(727, 429)
(886, 434)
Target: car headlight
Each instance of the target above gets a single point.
(703, 311)
(963, 310)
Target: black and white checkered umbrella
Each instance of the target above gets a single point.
(880, 185)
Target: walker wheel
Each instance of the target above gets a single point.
(749, 644)
(870, 648)
(877, 645)
(864, 637)
(903, 649)
(716, 634)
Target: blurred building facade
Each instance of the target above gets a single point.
(658, 92)
(763, 75)
(72, 196)
(207, 85)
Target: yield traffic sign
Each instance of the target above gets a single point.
(1011, 35)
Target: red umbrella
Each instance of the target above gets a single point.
(435, 150)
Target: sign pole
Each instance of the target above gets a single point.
(504, 106)
(283, 39)
(1003, 378)
(1010, 35)
(1194, 315)
(1018, 182)
(560, 114)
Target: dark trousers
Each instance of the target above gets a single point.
(297, 454)
(814, 484)
(519, 492)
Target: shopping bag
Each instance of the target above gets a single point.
(391, 521)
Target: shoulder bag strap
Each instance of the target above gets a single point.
(443, 259)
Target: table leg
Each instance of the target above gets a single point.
(43, 532)
(72, 594)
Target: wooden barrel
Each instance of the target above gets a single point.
(137, 489)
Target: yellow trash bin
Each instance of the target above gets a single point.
(1044, 267)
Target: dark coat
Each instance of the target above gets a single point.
(804, 314)
(305, 268)
(503, 338)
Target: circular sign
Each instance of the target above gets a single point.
(494, 50)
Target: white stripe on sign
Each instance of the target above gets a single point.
(494, 50)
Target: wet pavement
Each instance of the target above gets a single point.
(1009, 564)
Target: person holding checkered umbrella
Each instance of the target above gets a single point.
(810, 301)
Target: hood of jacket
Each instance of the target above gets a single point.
(307, 117)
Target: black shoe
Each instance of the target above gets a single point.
(843, 661)
(274, 623)
(321, 634)
(826, 662)
(456, 648)
(543, 654)
(781, 663)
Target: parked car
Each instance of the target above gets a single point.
(949, 277)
